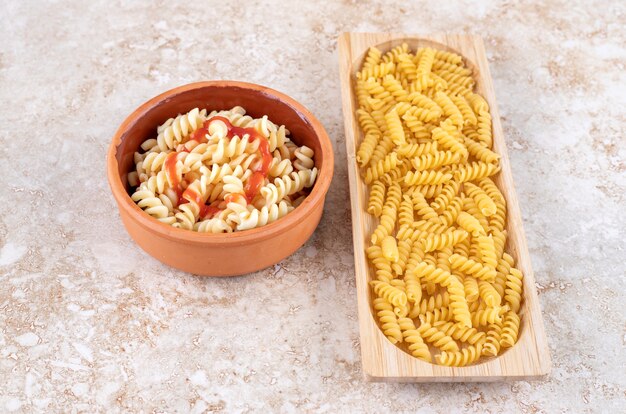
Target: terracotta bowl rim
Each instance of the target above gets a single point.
(317, 195)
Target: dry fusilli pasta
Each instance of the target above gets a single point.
(443, 279)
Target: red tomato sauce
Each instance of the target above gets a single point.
(260, 172)
(252, 187)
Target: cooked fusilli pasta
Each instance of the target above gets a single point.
(221, 172)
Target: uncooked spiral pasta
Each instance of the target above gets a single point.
(444, 288)
(460, 358)
(220, 172)
(388, 320)
(414, 340)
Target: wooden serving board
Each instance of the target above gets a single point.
(383, 361)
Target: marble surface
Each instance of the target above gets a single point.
(89, 323)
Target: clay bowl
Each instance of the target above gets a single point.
(220, 254)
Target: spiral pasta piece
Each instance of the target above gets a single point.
(406, 68)
(458, 302)
(390, 249)
(187, 216)
(287, 185)
(448, 192)
(366, 149)
(174, 130)
(394, 88)
(429, 273)
(502, 272)
(376, 199)
(396, 175)
(513, 291)
(471, 267)
(448, 57)
(510, 329)
(426, 177)
(413, 286)
(483, 128)
(228, 148)
(450, 110)
(487, 316)
(445, 139)
(475, 171)
(391, 294)
(377, 71)
(404, 250)
(461, 333)
(481, 152)
(437, 338)
(492, 340)
(437, 315)
(497, 221)
(280, 168)
(416, 119)
(499, 241)
(253, 218)
(304, 158)
(425, 63)
(419, 229)
(150, 203)
(389, 214)
(388, 320)
(429, 191)
(441, 65)
(385, 145)
(450, 214)
(394, 126)
(470, 207)
(470, 224)
(461, 358)
(441, 300)
(434, 242)
(421, 206)
(470, 285)
(278, 137)
(459, 101)
(394, 54)
(487, 251)
(372, 58)
(429, 161)
(422, 101)
(367, 123)
(417, 129)
(213, 225)
(405, 213)
(381, 264)
(417, 150)
(489, 294)
(486, 205)
(381, 167)
(412, 337)
(233, 184)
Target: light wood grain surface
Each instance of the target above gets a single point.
(383, 361)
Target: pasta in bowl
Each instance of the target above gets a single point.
(220, 178)
(221, 172)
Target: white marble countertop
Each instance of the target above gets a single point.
(89, 323)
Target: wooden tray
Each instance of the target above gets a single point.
(383, 361)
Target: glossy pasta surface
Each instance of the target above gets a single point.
(221, 172)
(444, 288)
